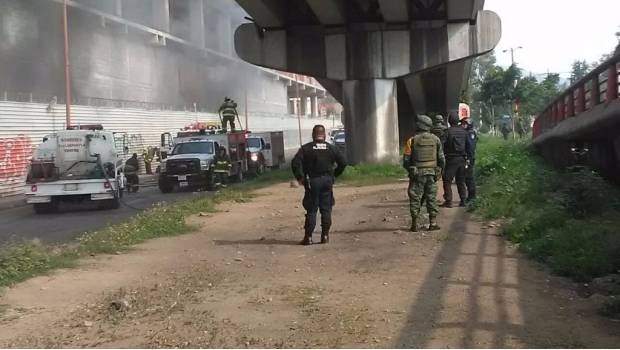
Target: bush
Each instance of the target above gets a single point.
(566, 219)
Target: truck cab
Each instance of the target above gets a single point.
(188, 165)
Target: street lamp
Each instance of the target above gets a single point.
(512, 53)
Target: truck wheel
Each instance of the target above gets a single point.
(46, 208)
(260, 169)
(239, 176)
(165, 186)
(113, 203)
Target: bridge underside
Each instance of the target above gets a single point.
(384, 60)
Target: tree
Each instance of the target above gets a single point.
(579, 70)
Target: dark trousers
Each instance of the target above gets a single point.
(221, 177)
(470, 181)
(228, 120)
(319, 196)
(455, 168)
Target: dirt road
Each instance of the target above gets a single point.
(242, 281)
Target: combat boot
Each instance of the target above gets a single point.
(446, 204)
(414, 226)
(433, 225)
(462, 204)
(307, 240)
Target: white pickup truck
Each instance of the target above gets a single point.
(75, 165)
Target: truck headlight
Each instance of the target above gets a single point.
(204, 165)
(254, 157)
(162, 167)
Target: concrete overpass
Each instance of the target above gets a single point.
(384, 60)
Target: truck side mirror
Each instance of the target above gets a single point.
(268, 146)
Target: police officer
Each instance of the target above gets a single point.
(456, 149)
(424, 159)
(313, 167)
(439, 128)
(228, 113)
(470, 179)
(222, 166)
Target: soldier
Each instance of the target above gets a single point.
(424, 159)
(148, 154)
(470, 179)
(456, 149)
(228, 113)
(313, 167)
(439, 128)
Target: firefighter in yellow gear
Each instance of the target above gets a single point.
(222, 167)
(228, 113)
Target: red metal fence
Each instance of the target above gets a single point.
(599, 86)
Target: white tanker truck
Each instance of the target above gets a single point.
(75, 165)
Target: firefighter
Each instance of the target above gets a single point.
(148, 154)
(424, 160)
(228, 113)
(313, 167)
(222, 167)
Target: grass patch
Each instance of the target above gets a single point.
(371, 174)
(567, 219)
(20, 261)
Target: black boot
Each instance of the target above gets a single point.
(462, 204)
(307, 240)
(446, 204)
(414, 226)
(324, 238)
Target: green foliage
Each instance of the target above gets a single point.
(567, 220)
(579, 70)
(371, 174)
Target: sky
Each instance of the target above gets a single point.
(554, 33)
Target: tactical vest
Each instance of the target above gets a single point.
(424, 153)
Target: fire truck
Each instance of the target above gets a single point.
(190, 162)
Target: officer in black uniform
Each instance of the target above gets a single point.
(313, 167)
(470, 177)
(456, 149)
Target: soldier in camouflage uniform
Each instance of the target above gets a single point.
(424, 159)
(439, 128)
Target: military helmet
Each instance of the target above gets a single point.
(424, 122)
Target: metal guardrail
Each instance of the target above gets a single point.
(599, 86)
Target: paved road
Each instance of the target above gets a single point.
(22, 223)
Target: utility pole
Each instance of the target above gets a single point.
(67, 74)
(512, 53)
(246, 110)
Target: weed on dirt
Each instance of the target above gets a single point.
(567, 219)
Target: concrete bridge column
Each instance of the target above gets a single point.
(371, 120)
(314, 106)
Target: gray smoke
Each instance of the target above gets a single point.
(109, 62)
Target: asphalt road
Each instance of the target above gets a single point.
(21, 223)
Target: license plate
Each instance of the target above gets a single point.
(183, 184)
(182, 177)
(71, 187)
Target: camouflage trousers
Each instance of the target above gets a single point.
(423, 187)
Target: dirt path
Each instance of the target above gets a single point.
(242, 281)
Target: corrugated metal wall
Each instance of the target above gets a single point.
(23, 125)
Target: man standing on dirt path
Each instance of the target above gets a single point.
(424, 160)
(470, 177)
(456, 148)
(313, 167)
